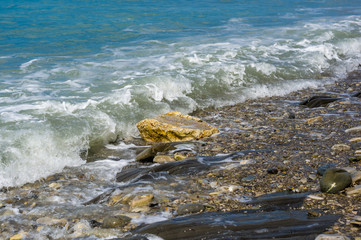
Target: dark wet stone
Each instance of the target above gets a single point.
(148, 154)
(115, 221)
(241, 225)
(272, 170)
(335, 180)
(279, 200)
(190, 165)
(130, 174)
(358, 94)
(318, 101)
(248, 178)
(322, 169)
(100, 198)
(190, 208)
(354, 159)
(94, 223)
(291, 115)
(314, 213)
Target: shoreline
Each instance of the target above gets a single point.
(297, 140)
(302, 139)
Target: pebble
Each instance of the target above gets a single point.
(7, 212)
(356, 220)
(314, 197)
(335, 180)
(141, 201)
(116, 221)
(355, 140)
(55, 185)
(331, 237)
(354, 159)
(19, 236)
(190, 208)
(340, 147)
(248, 178)
(272, 170)
(356, 176)
(81, 229)
(213, 184)
(247, 161)
(312, 176)
(52, 221)
(356, 190)
(314, 120)
(163, 159)
(353, 130)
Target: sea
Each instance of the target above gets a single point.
(77, 75)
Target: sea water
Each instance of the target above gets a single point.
(78, 74)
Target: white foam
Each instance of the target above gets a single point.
(105, 169)
(148, 219)
(281, 89)
(14, 117)
(265, 68)
(26, 65)
(28, 155)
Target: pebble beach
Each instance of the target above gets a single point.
(283, 145)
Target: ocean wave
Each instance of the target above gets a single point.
(55, 108)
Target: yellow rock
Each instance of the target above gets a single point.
(126, 199)
(313, 120)
(173, 127)
(141, 201)
(19, 236)
(115, 199)
(163, 159)
(179, 156)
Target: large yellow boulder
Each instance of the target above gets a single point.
(174, 127)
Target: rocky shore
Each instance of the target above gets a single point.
(260, 177)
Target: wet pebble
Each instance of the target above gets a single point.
(314, 120)
(335, 180)
(331, 237)
(115, 221)
(340, 147)
(322, 169)
(355, 191)
(81, 229)
(356, 220)
(272, 170)
(355, 140)
(356, 176)
(52, 221)
(141, 201)
(163, 159)
(353, 130)
(18, 236)
(190, 208)
(249, 178)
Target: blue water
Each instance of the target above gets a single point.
(78, 74)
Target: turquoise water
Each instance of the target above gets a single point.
(78, 74)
